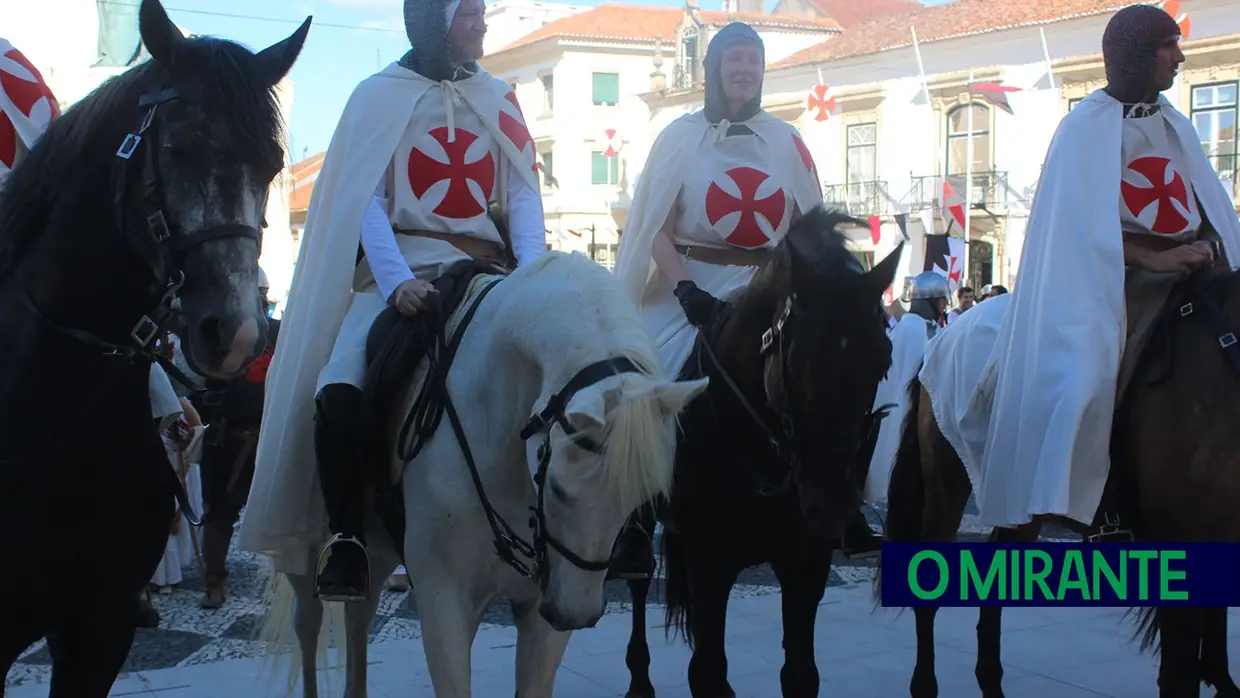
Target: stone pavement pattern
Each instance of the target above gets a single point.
(863, 652)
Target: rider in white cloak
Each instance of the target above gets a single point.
(27, 106)
(927, 314)
(719, 190)
(421, 149)
(1127, 205)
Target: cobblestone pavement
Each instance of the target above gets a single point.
(189, 635)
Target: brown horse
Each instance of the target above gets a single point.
(1173, 461)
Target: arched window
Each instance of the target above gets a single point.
(960, 132)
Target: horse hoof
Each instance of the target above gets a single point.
(640, 694)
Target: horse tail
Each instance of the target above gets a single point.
(676, 590)
(293, 617)
(1147, 627)
(906, 489)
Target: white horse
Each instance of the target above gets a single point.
(559, 349)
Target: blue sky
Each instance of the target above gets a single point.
(348, 40)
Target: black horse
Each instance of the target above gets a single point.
(137, 212)
(768, 463)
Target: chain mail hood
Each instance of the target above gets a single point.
(716, 103)
(426, 24)
(1130, 50)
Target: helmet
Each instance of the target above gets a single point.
(262, 279)
(929, 284)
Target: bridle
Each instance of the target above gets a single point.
(154, 241)
(527, 557)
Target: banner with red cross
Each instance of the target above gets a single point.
(820, 102)
(27, 105)
(610, 142)
(1172, 7)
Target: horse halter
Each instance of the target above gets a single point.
(509, 544)
(164, 256)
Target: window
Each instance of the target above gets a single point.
(959, 134)
(547, 166)
(687, 68)
(1073, 102)
(862, 159)
(603, 169)
(1214, 115)
(606, 89)
(604, 254)
(548, 83)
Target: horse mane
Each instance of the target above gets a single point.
(74, 155)
(636, 441)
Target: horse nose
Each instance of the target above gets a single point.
(230, 341)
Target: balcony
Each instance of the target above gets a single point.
(859, 199)
(990, 190)
(1227, 167)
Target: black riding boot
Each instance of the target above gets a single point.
(340, 456)
(859, 540)
(633, 555)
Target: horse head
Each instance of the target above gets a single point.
(145, 200)
(814, 317)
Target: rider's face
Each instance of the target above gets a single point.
(1167, 63)
(468, 29)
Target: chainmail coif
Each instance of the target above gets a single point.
(1130, 50)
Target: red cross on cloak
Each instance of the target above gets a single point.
(515, 129)
(458, 202)
(24, 86)
(8, 142)
(1169, 221)
(747, 232)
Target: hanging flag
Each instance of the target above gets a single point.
(927, 221)
(994, 92)
(951, 206)
(609, 142)
(876, 229)
(548, 180)
(902, 224)
(945, 255)
(820, 102)
(1172, 7)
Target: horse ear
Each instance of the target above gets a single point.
(587, 409)
(673, 396)
(161, 37)
(276, 60)
(883, 274)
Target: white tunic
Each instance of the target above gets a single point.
(908, 344)
(736, 195)
(1155, 196)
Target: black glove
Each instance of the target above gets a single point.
(700, 307)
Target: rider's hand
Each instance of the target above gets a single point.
(700, 307)
(1183, 259)
(410, 298)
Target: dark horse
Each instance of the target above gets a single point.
(138, 211)
(1174, 455)
(767, 461)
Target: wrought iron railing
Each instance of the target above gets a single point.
(859, 198)
(990, 189)
(1227, 166)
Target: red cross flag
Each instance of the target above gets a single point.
(820, 102)
(1172, 7)
(610, 142)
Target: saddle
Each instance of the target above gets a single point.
(395, 347)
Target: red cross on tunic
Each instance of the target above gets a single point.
(458, 202)
(747, 232)
(515, 128)
(1166, 187)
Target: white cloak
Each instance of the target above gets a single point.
(1039, 421)
(908, 344)
(285, 513)
(27, 106)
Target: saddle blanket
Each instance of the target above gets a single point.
(957, 372)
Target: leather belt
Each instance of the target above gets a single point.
(477, 248)
(729, 257)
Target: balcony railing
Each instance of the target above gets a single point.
(990, 189)
(859, 199)
(1227, 167)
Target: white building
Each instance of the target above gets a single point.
(884, 151)
(64, 50)
(579, 80)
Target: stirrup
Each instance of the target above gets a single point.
(1112, 531)
(322, 563)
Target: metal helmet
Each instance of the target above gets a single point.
(263, 284)
(929, 285)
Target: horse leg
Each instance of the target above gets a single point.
(708, 615)
(802, 581)
(449, 626)
(307, 620)
(89, 650)
(1179, 671)
(989, 668)
(1214, 668)
(358, 616)
(540, 649)
(637, 657)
